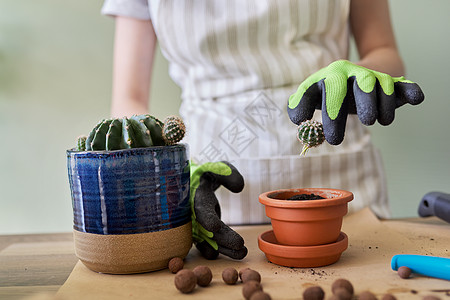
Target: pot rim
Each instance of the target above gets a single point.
(341, 197)
(140, 150)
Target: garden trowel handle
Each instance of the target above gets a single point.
(433, 266)
(435, 204)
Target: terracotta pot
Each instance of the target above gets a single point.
(131, 207)
(306, 222)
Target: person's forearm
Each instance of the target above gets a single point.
(123, 107)
(374, 38)
(134, 48)
(384, 59)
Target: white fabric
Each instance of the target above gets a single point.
(137, 9)
(237, 63)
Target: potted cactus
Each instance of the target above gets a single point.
(129, 181)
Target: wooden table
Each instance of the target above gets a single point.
(31, 264)
(37, 263)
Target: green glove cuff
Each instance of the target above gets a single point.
(199, 233)
(335, 77)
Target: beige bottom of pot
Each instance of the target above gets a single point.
(132, 253)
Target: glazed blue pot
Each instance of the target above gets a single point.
(129, 191)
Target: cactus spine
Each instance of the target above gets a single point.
(310, 133)
(134, 132)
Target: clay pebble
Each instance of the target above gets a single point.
(388, 297)
(314, 293)
(404, 272)
(203, 274)
(185, 281)
(342, 294)
(175, 264)
(249, 274)
(342, 283)
(251, 287)
(242, 271)
(366, 295)
(230, 275)
(260, 295)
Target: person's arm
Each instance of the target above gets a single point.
(371, 27)
(134, 48)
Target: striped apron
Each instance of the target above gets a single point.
(237, 63)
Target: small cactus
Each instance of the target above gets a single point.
(310, 133)
(173, 130)
(81, 143)
(135, 132)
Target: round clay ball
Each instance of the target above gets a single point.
(342, 283)
(250, 274)
(242, 271)
(185, 281)
(388, 297)
(431, 297)
(230, 275)
(404, 272)
(204, 275)
(175, 264)
(251, 287)
(260, 295)
(313, 293)
(366, 295)
(342, 294)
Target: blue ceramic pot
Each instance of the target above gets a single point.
(129, 191)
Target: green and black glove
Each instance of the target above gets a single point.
(211, 236)
(344, 88)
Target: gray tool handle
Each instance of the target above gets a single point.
(435, 204)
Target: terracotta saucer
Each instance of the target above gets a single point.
(301, 256)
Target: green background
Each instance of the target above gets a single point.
(55, 84)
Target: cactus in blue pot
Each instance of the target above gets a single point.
(137, 131)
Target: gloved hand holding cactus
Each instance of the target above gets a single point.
(211, 236)
(134, 132)
(342, 88)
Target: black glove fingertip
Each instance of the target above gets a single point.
(234, 253)
(366, 104)
(386, 107)
(334, 130)
(235, 181)
(408, 93)
(307, 105)
(207, 251)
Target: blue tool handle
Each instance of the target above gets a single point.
(435, 204)
(432, 266)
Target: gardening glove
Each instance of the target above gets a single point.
(211, 236)
(342, 88)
